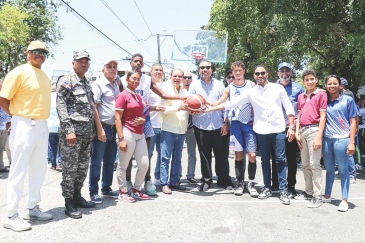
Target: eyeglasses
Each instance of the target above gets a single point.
(260, 73)
(285, 71)
(230, 77)
(205, 67)
(110, 67)
(187, 77)
(40, 52)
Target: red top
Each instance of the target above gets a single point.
(131, 105)
(310, 107)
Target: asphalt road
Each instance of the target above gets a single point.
(192, 216)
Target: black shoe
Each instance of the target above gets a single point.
(80, 202)
(192, 181)
(292, 192)
(275, 189)
(204, 186)
(178, 187)
(71, 210)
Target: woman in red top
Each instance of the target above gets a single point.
(129, 122)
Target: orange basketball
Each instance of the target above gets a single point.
(195, 102)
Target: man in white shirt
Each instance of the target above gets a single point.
(267, 100)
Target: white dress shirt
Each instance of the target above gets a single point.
(267, 103)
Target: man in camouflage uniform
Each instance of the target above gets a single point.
(75, 107)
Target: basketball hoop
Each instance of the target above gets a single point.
(197, 56)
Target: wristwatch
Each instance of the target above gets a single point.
(292, 128)
(121, 138)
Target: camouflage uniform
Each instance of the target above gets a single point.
(75, 107)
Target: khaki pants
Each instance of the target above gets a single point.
(311, 163)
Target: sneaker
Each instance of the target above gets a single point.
(352, 179)
(129, 185)
(265, 193)
(240, 187)
(343, 207)
(124, 196)
(178, 186)
(252, 190)
(36, 214)
(315, 203)
(204, 186)
(16, 223)
(230, 188)
(284, 198)
(326, 200)
(275, 189)
(156, 182)
(192, 181)
(110, 194)
(95, 199)
(52, 168)
(303, 196)
(150, 189)
(292, 192)
(139, 195)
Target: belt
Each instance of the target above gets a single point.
(107, 125)
(303, 128)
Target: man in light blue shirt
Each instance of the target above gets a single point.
(211, 132)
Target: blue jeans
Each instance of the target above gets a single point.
(334, 152)
(102, 152)
(277, 142)
(53, 141)
(155, 140)
(171, 145)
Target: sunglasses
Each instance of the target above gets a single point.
(285, 71)
(110, 67)
(230, 77)
(40, 52)
(205, 67)
(260, 73)
(187, 77)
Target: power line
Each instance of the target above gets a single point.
(143, 17)
(139, 39)
(90, 24)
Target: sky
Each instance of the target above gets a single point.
(162, 16)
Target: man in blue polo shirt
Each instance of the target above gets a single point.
(285, 72)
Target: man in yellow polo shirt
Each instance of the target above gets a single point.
(26, 96)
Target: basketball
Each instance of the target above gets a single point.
(195, 102)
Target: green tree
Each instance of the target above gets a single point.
(14, 34)
(41, 20)
(327, 36)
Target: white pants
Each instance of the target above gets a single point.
(137, 146)
(28, 145)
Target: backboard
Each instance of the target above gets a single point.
(204, 42)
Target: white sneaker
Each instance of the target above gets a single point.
(16, 223)
(343, 207)
(36, 214)
(326, 200)
(252, 190)
(240, 187)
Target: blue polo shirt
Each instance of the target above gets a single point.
(339, 112)
(293, 90)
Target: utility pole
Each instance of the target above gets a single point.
(158, 48)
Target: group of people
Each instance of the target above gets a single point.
(135, 115)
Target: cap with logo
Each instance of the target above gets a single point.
(344, 81)
(81, 54)
(109, 60)
(284, 64)
(35, 45)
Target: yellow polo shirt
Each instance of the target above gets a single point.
(174, 121)
(29, 91)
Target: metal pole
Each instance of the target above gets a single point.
(158, 48)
